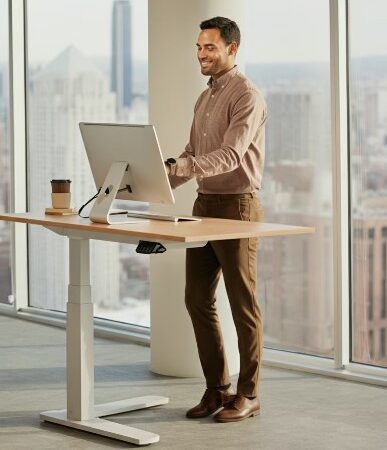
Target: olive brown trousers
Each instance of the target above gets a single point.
(236, 259)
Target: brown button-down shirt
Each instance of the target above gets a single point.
(227, 142)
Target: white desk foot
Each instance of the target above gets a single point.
(111, 429)
(131, 404)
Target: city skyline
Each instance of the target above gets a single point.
(273, 47)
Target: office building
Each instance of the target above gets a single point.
(122, 62)
(305, 133)
(69, 90)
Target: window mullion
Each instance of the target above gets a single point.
(339, 121)
(18, 148)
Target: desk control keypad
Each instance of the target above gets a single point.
(147, 247)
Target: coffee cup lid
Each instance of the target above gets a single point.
(60, 181)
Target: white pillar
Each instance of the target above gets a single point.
(175, 82)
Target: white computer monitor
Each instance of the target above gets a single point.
(126, 163)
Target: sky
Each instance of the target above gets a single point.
(86, 24)
(274, 31)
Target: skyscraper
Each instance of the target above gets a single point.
(121, 68)
(70, 89)
(296, 287)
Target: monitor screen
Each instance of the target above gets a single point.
(146, 179)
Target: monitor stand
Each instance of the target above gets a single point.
(101, 211)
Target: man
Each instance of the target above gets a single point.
(225, 153)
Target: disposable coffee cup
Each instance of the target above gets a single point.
(60, 196)
(60, 186)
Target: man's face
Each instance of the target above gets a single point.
(214, 55)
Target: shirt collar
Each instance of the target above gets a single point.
(224, 79)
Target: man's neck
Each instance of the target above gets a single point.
(218, 75)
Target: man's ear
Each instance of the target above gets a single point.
(232, 48)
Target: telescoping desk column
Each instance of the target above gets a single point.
(81, 413)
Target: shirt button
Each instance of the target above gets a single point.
(207, 114)
(222, 87)
(212, 96)
(204, 134)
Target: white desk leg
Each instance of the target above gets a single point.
(81, 413)
(79, 334)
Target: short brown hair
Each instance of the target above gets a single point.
(229, 30)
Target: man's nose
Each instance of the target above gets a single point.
(202, 53)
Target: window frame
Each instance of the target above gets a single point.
(340, 366)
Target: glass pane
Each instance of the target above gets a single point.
(368, 150)
(5, 160)
(88, 62)
(288, 59)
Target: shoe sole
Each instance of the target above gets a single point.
(207, 415)
(253, 414)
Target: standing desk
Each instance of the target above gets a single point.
(81, 412)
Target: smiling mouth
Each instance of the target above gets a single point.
(205, 63)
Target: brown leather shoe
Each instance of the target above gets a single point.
(212, 400)
(239, 409)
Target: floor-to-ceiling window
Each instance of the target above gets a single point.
(5, 182)
(71, 67)
(287, 56)
(368, 156)
(87, 61)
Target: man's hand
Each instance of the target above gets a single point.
(168, 163)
